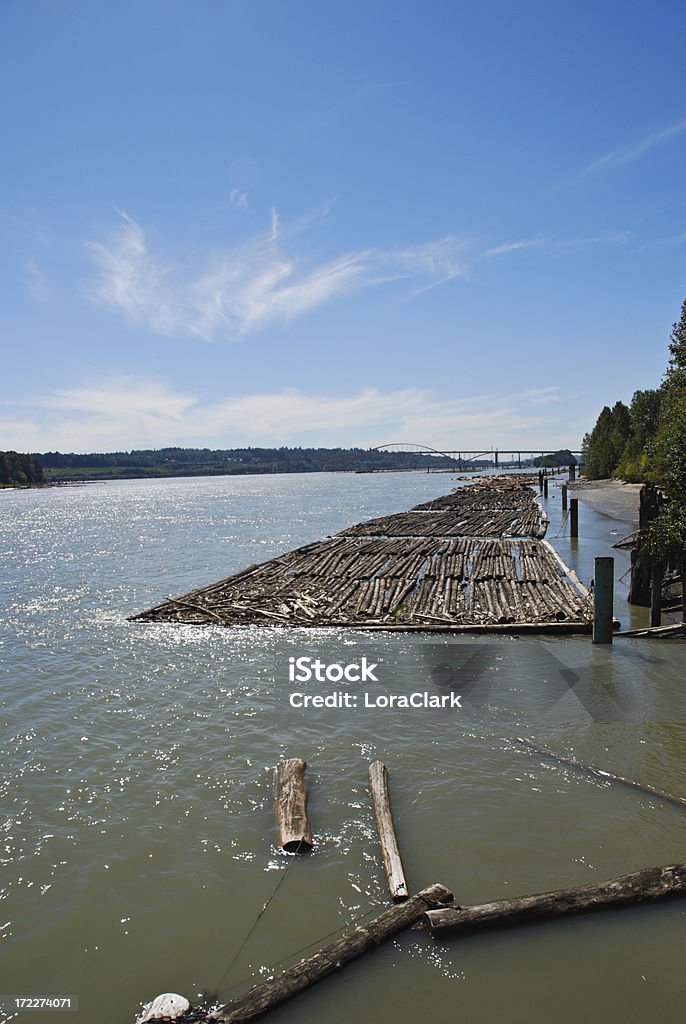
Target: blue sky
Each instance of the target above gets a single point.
(300, 222)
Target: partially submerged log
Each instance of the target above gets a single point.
(378, 787)
(643, 886)
(334, 956)
(291, 806)
(601, 774)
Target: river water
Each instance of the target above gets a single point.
(137, 762)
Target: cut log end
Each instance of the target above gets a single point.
(301, 845)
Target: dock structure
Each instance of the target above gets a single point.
(472, 560)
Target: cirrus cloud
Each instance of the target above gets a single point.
(245, 288)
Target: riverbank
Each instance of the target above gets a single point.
(611, 498)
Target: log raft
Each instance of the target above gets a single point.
(291, 806)
(471, 560)
(337, 954)
(378, 787)
(644, 886)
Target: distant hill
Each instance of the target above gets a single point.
(563, 457)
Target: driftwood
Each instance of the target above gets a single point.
(643, 886)
(378, 787)
(291, 806)
(334, 956)
(601, 774)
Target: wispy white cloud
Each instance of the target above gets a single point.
(248, 287)
(36, 282)
(124, 412)
(271, 279)
(579, 243)
(239, 198)
(508, 247)
(625, 154)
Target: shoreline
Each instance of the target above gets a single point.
(612, 498)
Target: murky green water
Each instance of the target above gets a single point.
(137, 831)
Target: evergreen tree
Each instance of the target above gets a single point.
(677, 345)
(667, 534)
(603, 447)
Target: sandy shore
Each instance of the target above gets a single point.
(611, 498)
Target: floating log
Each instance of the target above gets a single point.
(291, 806)
(168, 1006)
(378, 787)
(629, 541)
(334, 956)
(599, 773)
(674, 629)
(643, 886)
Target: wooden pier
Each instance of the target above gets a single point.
(474, 559)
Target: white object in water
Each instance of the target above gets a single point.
(168, 1006)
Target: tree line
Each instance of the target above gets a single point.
(231, 461)
(19, 470)
(646, 442)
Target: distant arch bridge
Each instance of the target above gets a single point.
(464, 456)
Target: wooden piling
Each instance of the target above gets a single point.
(639, 587)
(545, 486)
(334, 956)
(644, 886)
(603, 598)
(656, 575)
(291, 806)
(378, 787)
(564, 497)
(572, 472)
(574, 517)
